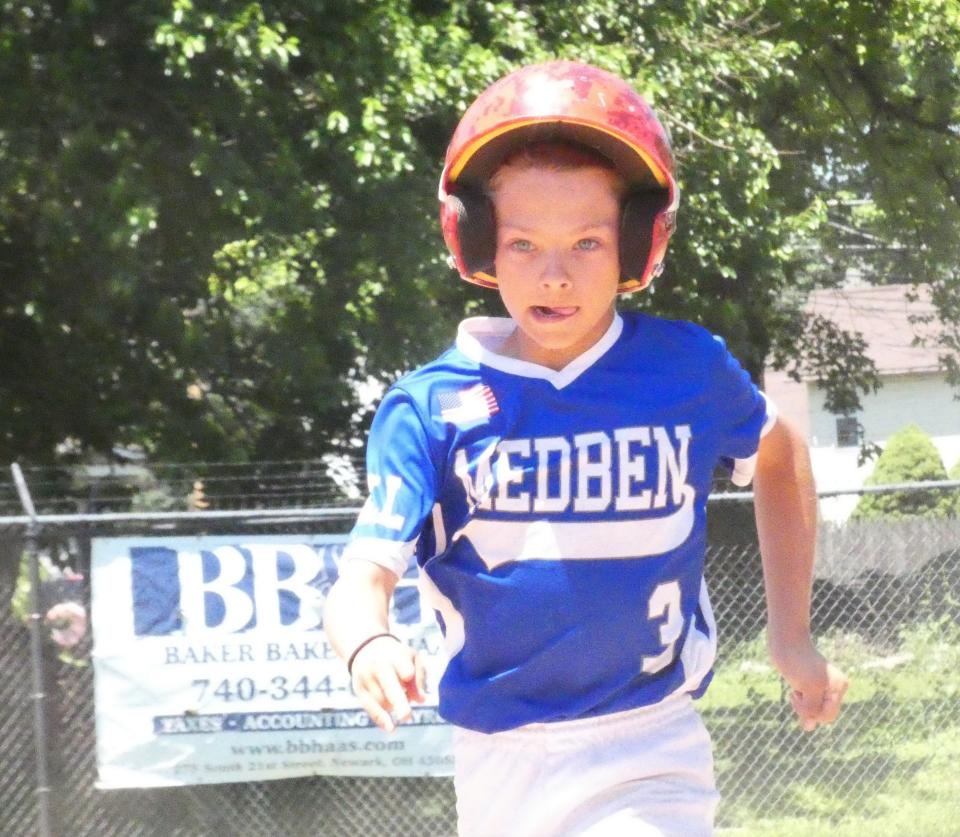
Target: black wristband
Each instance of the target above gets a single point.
(363, 645)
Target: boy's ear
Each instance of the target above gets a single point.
(476, 229)
(640, 210)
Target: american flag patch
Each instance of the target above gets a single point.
(466, 406)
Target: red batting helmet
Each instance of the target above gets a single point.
(560, 100)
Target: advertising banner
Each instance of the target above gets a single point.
(211, 665)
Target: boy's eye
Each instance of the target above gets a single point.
(520, 245)
(587, 244)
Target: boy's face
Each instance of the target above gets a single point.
(557, 259)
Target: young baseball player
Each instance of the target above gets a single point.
(549, 475)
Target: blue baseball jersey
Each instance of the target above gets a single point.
(558, 518)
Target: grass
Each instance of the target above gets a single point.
(889, 766)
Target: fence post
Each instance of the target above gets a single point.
(36, 655)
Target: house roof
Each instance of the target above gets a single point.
(884, 315)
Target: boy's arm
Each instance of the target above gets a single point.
(786, 512)
(386, 673)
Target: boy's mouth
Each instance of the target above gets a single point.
(554, 313)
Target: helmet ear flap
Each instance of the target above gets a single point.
(476, 228)
(640, 210)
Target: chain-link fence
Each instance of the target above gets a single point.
(886, 608)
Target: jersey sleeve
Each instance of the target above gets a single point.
(747, 415)
(401, 485)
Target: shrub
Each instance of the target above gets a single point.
(909, 456)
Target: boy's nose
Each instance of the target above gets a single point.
(554, 273)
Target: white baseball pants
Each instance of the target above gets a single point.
(647, 772)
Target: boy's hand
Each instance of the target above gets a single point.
(387, 676)
(818, 687)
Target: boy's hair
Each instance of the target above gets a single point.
(556, 112)
(556, 154)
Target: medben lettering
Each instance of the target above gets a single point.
(497, 480)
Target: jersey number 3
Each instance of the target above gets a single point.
(664, 604)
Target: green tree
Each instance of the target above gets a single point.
(909, 456)
(198, 223)
(867, 119)
(218, 220)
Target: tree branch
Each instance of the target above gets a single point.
(688, 127)
(953, 187)
(882, 104)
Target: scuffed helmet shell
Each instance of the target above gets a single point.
(560, 98)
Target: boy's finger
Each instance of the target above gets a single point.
(396, 699)
(378, 714)
(410, 672)
(405, 667)
(831, 707)
(421, 679)
(370, 687)
(806, 710)
(415, 685)
(832, 700)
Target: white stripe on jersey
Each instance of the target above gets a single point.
(498, 541)
(439, 530)
(391, 555)
(699, 651)
(743, 469)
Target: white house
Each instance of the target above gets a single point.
(914, 387)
